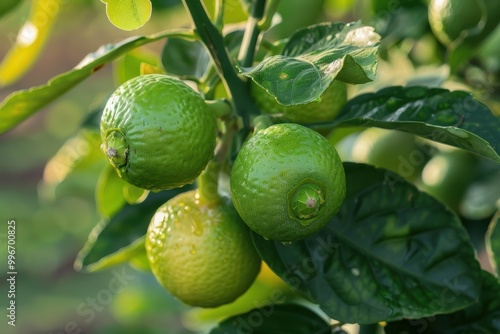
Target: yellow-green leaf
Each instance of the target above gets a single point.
(109, 192)
(128, 14)
(30, 41)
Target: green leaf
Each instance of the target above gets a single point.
(21, 104)
(287, 318)
(128, 14)
(116, 240)
(185, 58)
(133, 194)
(129, 66)
(190, 58)
(395, 28)
(31, 39)
(493, 243)
(8, 5)
(314, 57)
(93, 119)
(75, 168)
(109, 192)
(390, 253)
(453, 118)
(481, 317)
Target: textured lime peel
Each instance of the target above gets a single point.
(306, 202)
(158, 132)
(287, 182)
(116, 149)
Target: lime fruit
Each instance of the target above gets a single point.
(393, 150)
(329, 106)
(158, 133)
(473, 20)
(202, 253)
(447, 175)
(287, 182)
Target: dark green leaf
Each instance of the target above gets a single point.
(8, 5)
(21, 104)
(390, 253)
(233, 41)
(394, 27)
(287, 318)
(164, 4)
(482, 317)
(453, 118)
(493, 243)
(93, 119)
(459, 55)
(119, 238)
(185, 58)
(314, 57)
(190, 59)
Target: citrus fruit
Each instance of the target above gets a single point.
(157, 132)
(287, 182)
(473, 19)
(332, 101)
(447, 175)
(393, 150)
(202, 253)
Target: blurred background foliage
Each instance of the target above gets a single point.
(54, 218)
(49, 168)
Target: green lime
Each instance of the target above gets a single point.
(287, 182)
(447, 175)
(158, 133)
(396, 151)
(473, 20)
(329, 106)
(202, 253)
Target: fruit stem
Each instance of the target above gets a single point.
(221, 108)
(214, 42)
(252, 31)
(262, 122)
(224, 146)
(208, 181)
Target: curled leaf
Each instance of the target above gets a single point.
(128, 14)
(30, 41)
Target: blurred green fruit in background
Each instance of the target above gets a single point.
(396, 151)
